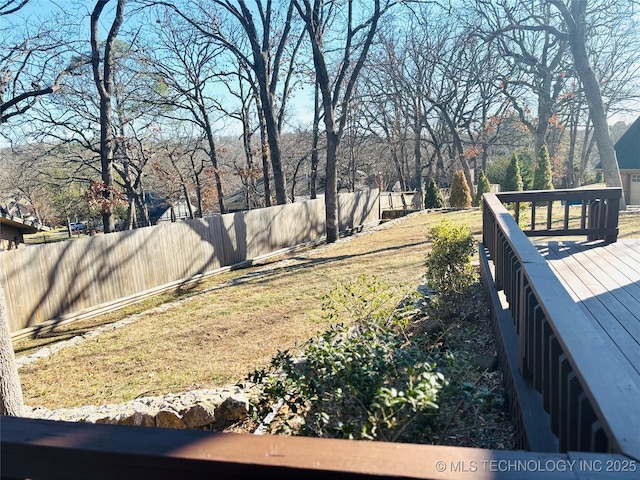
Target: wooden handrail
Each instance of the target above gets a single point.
(44, 449)
(585, 393)
(598, 215)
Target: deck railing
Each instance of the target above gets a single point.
(580, 378)
(597, 217)
(44, 449)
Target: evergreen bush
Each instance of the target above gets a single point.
(543, 179)
(513, 179)
(460, 193)
(433, 196)
(527, 166)
(449, 269)
(483, 187)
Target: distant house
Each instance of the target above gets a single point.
(298, 191)
(13, 229)
(628, 153)
(161, 210)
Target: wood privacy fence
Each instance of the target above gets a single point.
(400, 201)
(46, 282)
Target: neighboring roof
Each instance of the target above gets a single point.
(236, 198)
(628, 148)
(159, 207)
(18, 223)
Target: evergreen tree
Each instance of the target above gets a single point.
(460, 193)
(483, 187)
(513, 179)
(542, 179)
(433, 197)
(527, 166)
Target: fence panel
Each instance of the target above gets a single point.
(53, 281)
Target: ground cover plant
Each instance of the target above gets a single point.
(363, 378)
(397, 366)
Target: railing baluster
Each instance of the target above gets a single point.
(613, 208)
(566, 215)
(533, 216)
(556, 356)
(523, 329)
(587, 418)
(549, 214)
(599, 440)
(538, 348)
(563, 395)
(574, 390)
(547, 336)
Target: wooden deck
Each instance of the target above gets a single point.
(567, 321)
(604, 280)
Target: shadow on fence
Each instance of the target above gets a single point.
(54, 282)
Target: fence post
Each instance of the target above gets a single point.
(613, 211)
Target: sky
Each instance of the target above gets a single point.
(301, 106)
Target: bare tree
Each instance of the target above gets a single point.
(572, 26)
(34, 60)
(269, 38)
(535, 69)
(186, 64)
(103, 79)
(337, 92)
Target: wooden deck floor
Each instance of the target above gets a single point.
(605, 281)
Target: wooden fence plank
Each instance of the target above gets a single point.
(51, 281)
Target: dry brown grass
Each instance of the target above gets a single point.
(218, 335)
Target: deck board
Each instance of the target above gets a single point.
(605, 282)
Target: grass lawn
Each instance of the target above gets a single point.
(218, 335)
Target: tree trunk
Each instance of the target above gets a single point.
(142, 205)
(273, 135)
(331, 187)
(213, 156)
(266, 154)
(577, 27)
(106, 162)
(417, 155)
(315, 158)
(104, 83)
(11, 402)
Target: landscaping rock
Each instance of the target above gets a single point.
(168, 418)
(200, 414)
(192, 409)
(233, 408)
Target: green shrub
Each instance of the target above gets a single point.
(460, 193)
(358, 380)
(543, 179)
(496, 171)
(513, 179)
(526, 164)
(483, 187)
(433, 196)
(449, 269)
